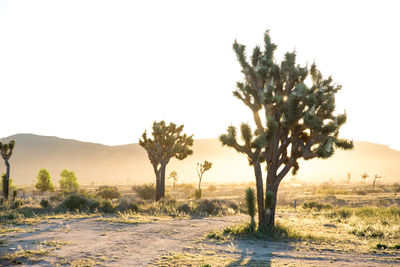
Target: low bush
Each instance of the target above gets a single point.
(145, 191)
(108, 192)
(246, 230)
(184, 208)
(316, 205)
(341, 213)
(75, 202)
(126, 204)
(16, 204)
(106, 206)
(215, 207)
(45, 204)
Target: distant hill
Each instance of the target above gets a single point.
(129, 163)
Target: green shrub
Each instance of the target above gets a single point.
(45, 204)
(108, 192)
(16, 204)
(106, 206)
(368, 231)
(208, 206)
(396, 187)
(145, 191)
(316, 205)
(184, 208)
(360, 192)
(233, 206)
(76, 202)
(127, 204)
(381, 246)
(56, 198)
(213, 207)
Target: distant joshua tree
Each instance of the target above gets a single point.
(376, 177)
(201, 169)
(348, 177)
(167, 142)
(6, 152)
(364, 176)
(174, 176)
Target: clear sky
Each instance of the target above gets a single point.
(103, 71)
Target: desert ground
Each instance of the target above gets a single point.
(327, 228)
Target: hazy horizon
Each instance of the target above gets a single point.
(129, 164)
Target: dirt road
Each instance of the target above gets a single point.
(88, 241)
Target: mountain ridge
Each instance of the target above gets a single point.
(99, 163)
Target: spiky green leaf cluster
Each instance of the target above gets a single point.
(252, 142)
(6, 149)
(298, 103)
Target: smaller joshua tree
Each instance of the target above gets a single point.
(376, 177)
(250, 200)
(348, 177)
(6, 152)
(201, 169)
(174, 176)
(364, 176)
(167, 142)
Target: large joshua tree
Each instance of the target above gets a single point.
(299, 120)
(6, 152)
(168, 142)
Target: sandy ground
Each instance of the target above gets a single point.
(115, 244)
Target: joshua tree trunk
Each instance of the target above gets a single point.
(7, 180)
(260, 194)
(162, 180)
(271, 186)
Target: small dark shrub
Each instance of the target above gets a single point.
(208, 206)
(108, 192)
(56, 198)
(233, 206)
(145, 191)
(127, 204)
(45, 204)
(76, 202)
(167, 200)
(396, 187)
(13, 215)
(360, 192)
(381, 246)
(397, 246)
(185, 208)
(16, 204)
(316, 205)
(94, 205)
(106, 206)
